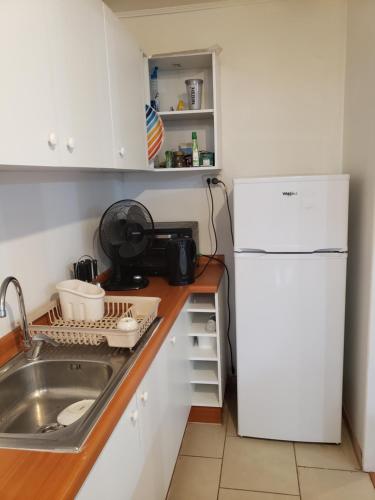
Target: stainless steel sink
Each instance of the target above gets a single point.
(33, 393)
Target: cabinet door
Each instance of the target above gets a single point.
(164, 404)
(81, 82)
(117, 471)
(126, 79)
(153, 407)
(179, 390)
(27, 118)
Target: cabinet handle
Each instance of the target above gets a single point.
(122, 152)
(52, 140)
(134, 416)
(144, 396)
(173, 340)
(70, 145)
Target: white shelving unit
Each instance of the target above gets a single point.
(173, 70)
(207, 349)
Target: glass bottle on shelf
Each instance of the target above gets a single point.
(195, 149)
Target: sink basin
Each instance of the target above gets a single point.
(33, 393)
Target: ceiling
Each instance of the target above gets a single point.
(124, 5)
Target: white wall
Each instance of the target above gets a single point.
(282, 80)
(359, 161)
(282, 86)
(47, 221)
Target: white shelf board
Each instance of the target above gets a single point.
(202, 334)
(182, 61)
(187, 169)
(197, 353)
(188, 114)
(205, 395)
(204, 373)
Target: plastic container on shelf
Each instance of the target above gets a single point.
(194, 93)
(80, 301)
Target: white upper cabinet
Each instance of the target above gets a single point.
(71, 87)
(81, 82)
(28, 128)
(126, 80)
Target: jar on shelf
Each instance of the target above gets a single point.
(179, 159)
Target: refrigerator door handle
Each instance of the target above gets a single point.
(250, 250)
(330, 250)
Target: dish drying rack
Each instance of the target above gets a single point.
(143, 309)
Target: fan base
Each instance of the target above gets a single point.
(132, 283)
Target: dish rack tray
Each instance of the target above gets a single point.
(143, 309)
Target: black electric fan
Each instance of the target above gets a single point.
(126, 229)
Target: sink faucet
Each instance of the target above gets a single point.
(32, 345)
(21, 303)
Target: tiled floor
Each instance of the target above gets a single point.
(215, 464)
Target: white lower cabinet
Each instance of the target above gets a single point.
(138, 460)
(118, 468)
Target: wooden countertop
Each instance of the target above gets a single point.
(46, 475)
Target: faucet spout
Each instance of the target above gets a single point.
(21, 303)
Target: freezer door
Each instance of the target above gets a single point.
(290, 333)
(291, 214)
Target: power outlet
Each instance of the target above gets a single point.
(206, 176)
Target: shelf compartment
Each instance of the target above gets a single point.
(199, 114)
(205, 395)
(204, 372)
(197, 326)
(175, 69)
(202, 302)
(181, 61)
(198, 353)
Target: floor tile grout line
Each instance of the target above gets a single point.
(201, 456)
(297, 472)
(225, 442)
(261, 491)
(331, 469)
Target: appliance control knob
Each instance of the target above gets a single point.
(52, 140)
(173, 340)
(122, 152)
(70, 145)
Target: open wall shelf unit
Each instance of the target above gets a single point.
(173, 70)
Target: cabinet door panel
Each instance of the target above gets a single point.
(126, 78)
(27, 115)
(81, 82)
(179, 395)
(117, 471)
(153, 406)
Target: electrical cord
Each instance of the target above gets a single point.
(212, 257)
(216, 181)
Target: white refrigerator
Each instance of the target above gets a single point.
(290, 243)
